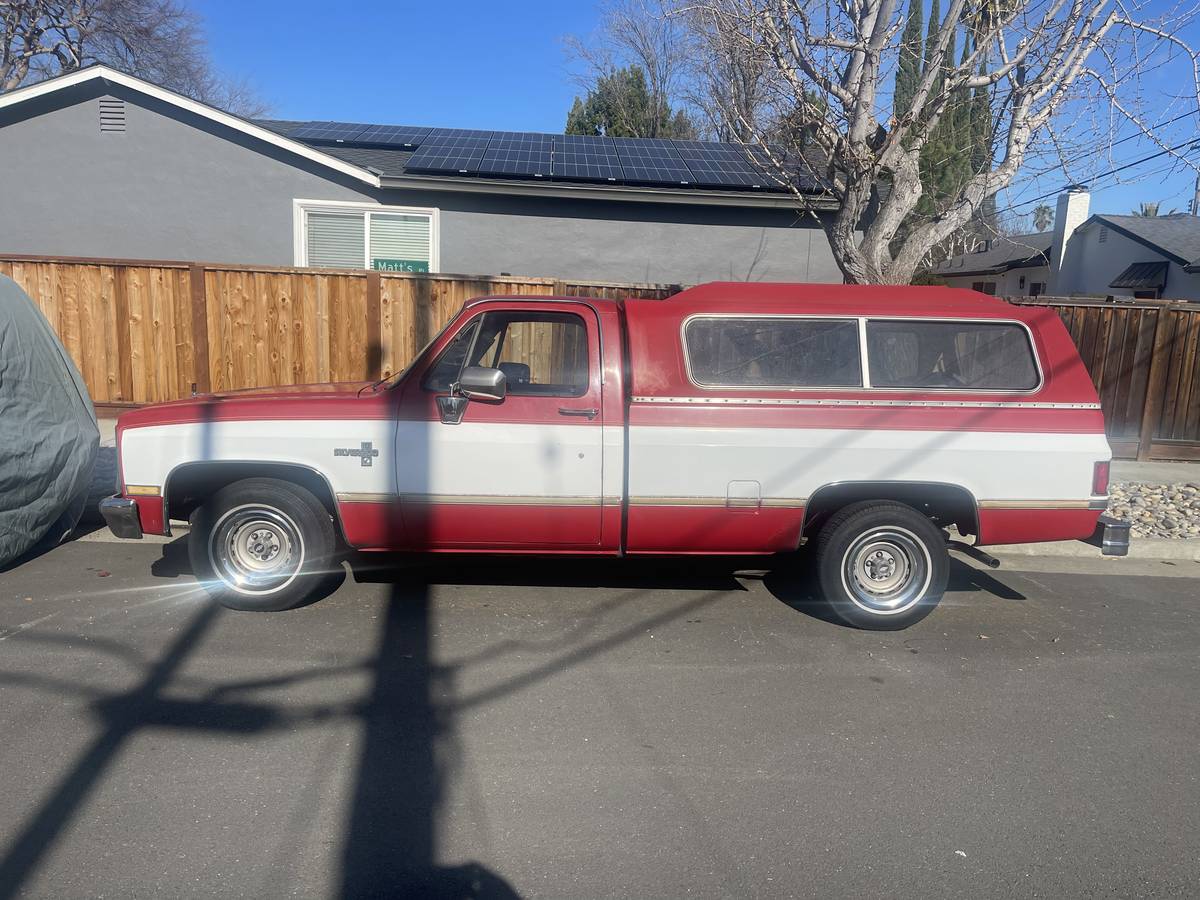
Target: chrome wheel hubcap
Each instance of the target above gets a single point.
(886, 570)
(256, 549)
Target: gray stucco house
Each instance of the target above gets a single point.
(98, 163)
(1101, 255)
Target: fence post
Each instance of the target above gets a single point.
(199, 328)
(1156, 383)
(124, 350)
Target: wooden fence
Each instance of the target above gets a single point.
(1142, 355)
(143, 332)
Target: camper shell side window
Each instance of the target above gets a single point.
(773, 352)
(957, 355)
(797, 352)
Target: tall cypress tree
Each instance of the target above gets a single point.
(935, 24)
(908, 72)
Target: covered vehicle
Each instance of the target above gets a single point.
(48, 434)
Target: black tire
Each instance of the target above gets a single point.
(882, 565)
(261, 544)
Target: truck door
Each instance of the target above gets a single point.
(521, 472)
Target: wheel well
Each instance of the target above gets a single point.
(945, 504)
(189, 485)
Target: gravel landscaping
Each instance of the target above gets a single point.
(1157, 510)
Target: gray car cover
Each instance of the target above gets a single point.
(48, 433)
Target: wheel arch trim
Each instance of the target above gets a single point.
(884, 485)
(264, 463)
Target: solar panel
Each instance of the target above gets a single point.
(392, 135)
(721, 165)
(328, 131)
(456, 150)
(651, 161)
(586, 158)
(517, 153)
(781, 164)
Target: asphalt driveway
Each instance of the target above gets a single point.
(579, 729)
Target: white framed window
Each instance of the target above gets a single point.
(349, 235)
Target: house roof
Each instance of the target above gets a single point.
(388, 166)
(105, 74)
(1176, 236)
(1017, 251)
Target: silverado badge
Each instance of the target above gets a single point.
(364, 451)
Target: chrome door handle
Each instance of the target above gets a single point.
(568, 411)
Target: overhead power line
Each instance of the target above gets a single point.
(1190, 143)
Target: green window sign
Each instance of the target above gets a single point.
(399, 265)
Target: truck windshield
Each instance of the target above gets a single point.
(388, 380)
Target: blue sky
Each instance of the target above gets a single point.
(453, 63)
(466, 64)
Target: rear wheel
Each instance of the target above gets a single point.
(261, 544)
(882, 565)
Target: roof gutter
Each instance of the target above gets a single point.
(604, 192)
(1030, 263)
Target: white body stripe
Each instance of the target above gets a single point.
(795, 462)
(559, 461)
(148, 454)
(414, 457)
(513, 460)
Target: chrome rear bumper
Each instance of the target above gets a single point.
(1111, 536)
(121, 516)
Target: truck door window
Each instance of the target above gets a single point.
(950, 355)
(728, 351)
(542, 354)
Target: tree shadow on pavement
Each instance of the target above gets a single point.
(409, 752)
(389, 843)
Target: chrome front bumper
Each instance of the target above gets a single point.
(121, 516)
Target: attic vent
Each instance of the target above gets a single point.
(1103, 235)
(112, 115)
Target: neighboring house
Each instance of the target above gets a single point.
(98, 163)
(1015, 265)
(1098, 255)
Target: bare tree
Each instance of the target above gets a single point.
(633, 33)
(726, 80)
(1050, 69)
(688, 61)
(159, 40)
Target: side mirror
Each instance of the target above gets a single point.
(478, 383)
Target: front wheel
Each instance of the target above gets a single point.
(882, 565)
(261, 544)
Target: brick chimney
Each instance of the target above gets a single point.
(1072, 212)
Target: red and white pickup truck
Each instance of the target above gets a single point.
(729, 419)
